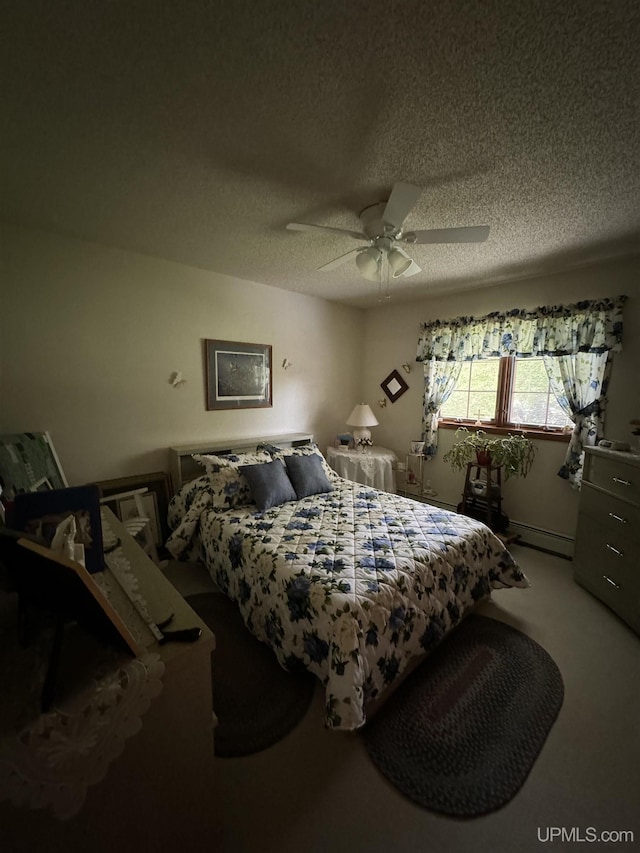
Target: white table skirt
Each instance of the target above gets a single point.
(374, 467)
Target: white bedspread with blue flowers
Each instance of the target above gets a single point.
(350, 585)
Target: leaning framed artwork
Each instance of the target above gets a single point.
(238, 375)
(155, 502)
(394, 386)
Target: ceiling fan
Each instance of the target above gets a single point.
(382, 229)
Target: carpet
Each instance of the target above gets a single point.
(462, 733)
(256, 701)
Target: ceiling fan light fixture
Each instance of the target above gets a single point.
(399, 262)
(368, 261)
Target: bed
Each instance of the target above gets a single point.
(350, 583)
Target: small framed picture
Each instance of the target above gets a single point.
(238, 375)
(40, 513)
(155, 502)
(394, 386)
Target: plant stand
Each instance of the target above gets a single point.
(482, 495)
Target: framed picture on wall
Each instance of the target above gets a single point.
(238, 375)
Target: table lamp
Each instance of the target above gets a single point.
(361, 418)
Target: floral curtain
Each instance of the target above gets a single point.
(589, 326)
(579, 383)
(559, 332)
(440, 378)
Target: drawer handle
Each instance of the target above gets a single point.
(615, 550)
(613, 583)
(622, 482)
(618, 518)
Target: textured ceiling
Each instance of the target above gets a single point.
(194, 131)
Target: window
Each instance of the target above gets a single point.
(505, 392)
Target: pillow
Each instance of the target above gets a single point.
(269, 484)
(307, 475)
(228, 486)
(213, 462)
(304, 450)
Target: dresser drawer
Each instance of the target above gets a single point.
(613, 577)
(614, 476)
(615, 514)
(625, 602)
(608, 559)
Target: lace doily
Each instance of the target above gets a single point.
(52, 761)
(49, 760)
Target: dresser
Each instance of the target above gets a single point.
(156, 789)
(607, 549)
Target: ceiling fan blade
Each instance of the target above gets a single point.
(401, 202)
(472, 234)
(337, 262)
(301, 226)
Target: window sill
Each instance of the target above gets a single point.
(531, 432)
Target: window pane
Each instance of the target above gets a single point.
(482, 405)
(476, 391)
(484, 375)
(457, 405)
(556, 416)
(529, 409)
(532, 401)
(530, 375)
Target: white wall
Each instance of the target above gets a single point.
(391, 335)
(90, 336)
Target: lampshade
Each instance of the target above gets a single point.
(361, 418)
(368, 263)
(399, 262)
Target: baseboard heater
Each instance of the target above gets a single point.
(535, 537)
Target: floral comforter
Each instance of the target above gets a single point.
(350, 585)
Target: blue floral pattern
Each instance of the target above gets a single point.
(351, 584)
(574, 340)
(579, 383)
(588, 326)
(227, 484)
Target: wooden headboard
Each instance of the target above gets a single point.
(183, 468)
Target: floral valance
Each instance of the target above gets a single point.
(589, 326)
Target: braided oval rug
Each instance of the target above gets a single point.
(462, 733)
(256, 701)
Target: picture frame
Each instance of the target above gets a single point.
(155, 502)
(69, 587)
(29, 462)
(237, 375)
(394, 385)
(39, 513)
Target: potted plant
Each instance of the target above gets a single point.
(515, 453)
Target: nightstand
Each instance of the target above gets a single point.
(374, 467)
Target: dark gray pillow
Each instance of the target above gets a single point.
(269, 484)
(307, 475)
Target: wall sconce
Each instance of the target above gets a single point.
(382, 403)
(176, 379)
(286, 363)
(406, 367)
